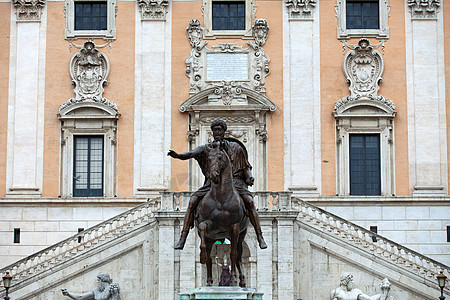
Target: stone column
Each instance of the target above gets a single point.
(152, 97)
(26, 98)
(427, 141)
(286, 255)
(301, 74)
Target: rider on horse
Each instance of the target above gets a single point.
(242, 178)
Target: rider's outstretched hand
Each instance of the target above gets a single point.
(250, 180)
(172, 154)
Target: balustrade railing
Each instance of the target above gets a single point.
(378, 245)
(134, 218)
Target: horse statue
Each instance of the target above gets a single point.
(221, 214)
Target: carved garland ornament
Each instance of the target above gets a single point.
(424, 9)
(258, 62)
(89, 70)
(29, 10)
(363, 67)
(153, 10)
(300, 9)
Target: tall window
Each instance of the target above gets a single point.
(362, 14)
(228, 15)
(88, 166)
(91, 16)
(365, 170)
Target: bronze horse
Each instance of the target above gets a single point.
(221, 214)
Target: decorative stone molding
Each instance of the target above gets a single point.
(195, 33)
(28, 10)
(153, 10)
(424, 9)
(363, 68)
(344, 33)
(250, 65)
(300, 9)
(260, 32)
(89, 70)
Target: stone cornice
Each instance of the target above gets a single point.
(28, 10)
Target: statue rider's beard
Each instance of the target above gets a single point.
(101, 288)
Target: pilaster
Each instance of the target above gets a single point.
(301, 75)
(426, 98)
(26, 99)
(152, 97)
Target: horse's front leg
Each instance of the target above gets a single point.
(202, 228)
(234, 236)
(209, 279)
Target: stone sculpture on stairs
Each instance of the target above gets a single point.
(105, 290)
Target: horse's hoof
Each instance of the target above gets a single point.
(233, 281)
(262, 243)
(209, 283)
(242, 282)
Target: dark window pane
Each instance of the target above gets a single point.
(365, 168)
(362, 14)
(90, 16)
(88, 166)
(228, 15)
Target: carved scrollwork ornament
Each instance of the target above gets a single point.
(300, 9)
(424, 9)
(153, 10)
(260, 32)
(28, 10)
(194, 32)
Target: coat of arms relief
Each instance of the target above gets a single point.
(89, 70)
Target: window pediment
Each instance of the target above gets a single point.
(227, 97)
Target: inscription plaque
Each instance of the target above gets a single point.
(226, 66)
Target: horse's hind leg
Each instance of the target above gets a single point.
(202, 227)
(242, 282)
(234, 235)
(209, 279)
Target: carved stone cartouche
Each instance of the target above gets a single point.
(89, 70)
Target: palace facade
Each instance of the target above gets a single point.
(340, 106)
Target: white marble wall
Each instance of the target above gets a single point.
(152, 127)
(26, 106)
(427, 150)
(301, 77)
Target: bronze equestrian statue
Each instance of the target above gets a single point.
(241, 178)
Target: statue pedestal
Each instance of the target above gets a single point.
(221, 292)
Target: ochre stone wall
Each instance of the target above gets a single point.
(120, 90)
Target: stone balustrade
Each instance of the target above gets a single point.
(377, 245)
(45, 259)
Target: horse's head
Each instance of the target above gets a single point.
(217, 161)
